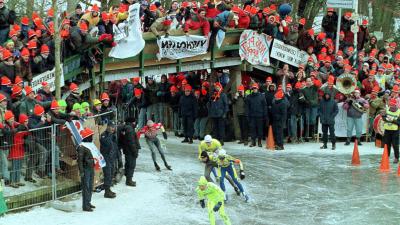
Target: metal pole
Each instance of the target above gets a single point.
(338, 30)
(355, 6)
(53, 162)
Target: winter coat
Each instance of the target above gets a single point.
(376, 106)
(108, 145)
(24, 69)
(253, 24)
(114, 91)
(59, 118)
(158, 28)
(256, 105)
(40, 135)
(174, 102)
(8, 71)
(139, 103)
(213, 193)
(105, 28)
(224, 17)
(279, 111)
(346, 27)
(311, 96)
(80, 42)
(151, 93)
(163, 92)
(85, 158)
(127, 92)
(93, 21)
(148, 19)
(7, 17)
(368, 86)
(71, 100)
(329, 23)
(26, 106)
(188, 106)
(74, 18)
(362, 37)
(244, 20)
(7, 133)
(40, 64)
(305, 41)
(351, 111)
(240, 103)
(42, 96)
(295, 106)
(17, 149)
(328, 109)
(196, 23)
(219, 107)
(202, 106)
(128, 140)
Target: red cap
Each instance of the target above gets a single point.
(137, 92)
(269, 79)
(2, 97)
(153, 8)
(95, 8)
(241, 88)
(83, 26)
(331, 79)
(203, 92)
(395, 88)
(297, 85)
(12, 33)
(5, 81)
(236, 9)
(376, 89)
(288, 19)
(136, 79)
(50, 12)
(348, 14)
(173, 89)
(279, 94)
(54, 105)
(311, 32)
(365, 22)
(44, 84)
(44, 49)
(197, 92)
(28, 90)
(105, 16)
(330, 9)
(393, 45)
(6, 54)
(255, 85)
(104, 97)
(302, 21)
(188, 88)
(288, 86)
(86, 132)
(32, 44)
(23, 118)
(24, 52)
(25, 21)
(38, 110)
(73, 87)
(31, 34)
(205, 84)
(397, 57)
(8, 115)
(16, 90)
(247, 9)
(392, 102)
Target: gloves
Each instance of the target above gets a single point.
(165, 135)
(217, 206)
(242, 176)
(103, 37)
(202, 203)
(158, 37)
(166, 35)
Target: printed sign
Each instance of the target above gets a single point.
(254, 48)
(128, 35)
(49, 77)
(178, 47)
(288, 54)
(344, 4)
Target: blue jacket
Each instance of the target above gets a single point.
(218, 108)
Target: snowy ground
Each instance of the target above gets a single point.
(301, 185)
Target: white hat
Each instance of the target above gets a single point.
(222, 152)
(208, 138)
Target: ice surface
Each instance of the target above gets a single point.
(301, 185)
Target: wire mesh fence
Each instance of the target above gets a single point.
(40, 165)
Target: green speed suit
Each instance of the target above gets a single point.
(214, 195)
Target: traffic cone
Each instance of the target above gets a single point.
(270, 139)
(385, 165)
(398, 170)
(355, 160)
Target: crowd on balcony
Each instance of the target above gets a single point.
(290, 100)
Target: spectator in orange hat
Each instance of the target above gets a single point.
(74, 96)
(376, 106)
(107, 109)
(44, 94)
(362, 35)
(188, 110)
(202, 115)
(279, 117)
(285, 76)
(329, 23)
(345, 26)
(140, 104)
(23, 65)
(239, 103)
(77, 15)
(257, 113)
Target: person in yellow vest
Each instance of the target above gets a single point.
(215, 200)
(209, 145)
(391, 117)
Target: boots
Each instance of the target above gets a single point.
(109, 194)
(253, 143)
(324, 146)
(130, 182)
(359, 141)
(185, 140)
(245, 142)
(333, 145)
(190, 141)
(311, 134)
(245, 196)
(240, 142)
(168, 166)
(259, 142)
(237, 191)
(347, 141)
(157, 167)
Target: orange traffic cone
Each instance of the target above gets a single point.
(385, 166)
(398, 170)
(355, 160)
(270, 139)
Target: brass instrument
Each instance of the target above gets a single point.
(356, 105)
(346, 83)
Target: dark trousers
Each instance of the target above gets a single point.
(188, 128)
(277, 129)
(391, 139)
(243, 127)
(219, 128)
(331, 128)
(130, 165)
(256, 127)
(87, 187)
(108, 171)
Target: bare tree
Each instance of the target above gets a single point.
(57, 47)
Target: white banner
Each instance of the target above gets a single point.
(49, 77)
(288, 54)
(178, 47)
(344, 4)
(99, 160)
(220, 38)
(254, 48)
(341, 123)
(128, 35)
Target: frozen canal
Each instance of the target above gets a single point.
(301, 185)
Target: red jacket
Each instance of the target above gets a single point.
(367, 86)
(212, 12)
(17, 149)
(197, 24)
(244, 20)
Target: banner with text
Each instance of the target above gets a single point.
(341, 123)
(178, 47)
(344, 4)
(128, 35)
(288, 54)
(49, 77)
(254, 48)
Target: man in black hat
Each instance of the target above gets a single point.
(76, 16)
(109, 148)
(128, 141)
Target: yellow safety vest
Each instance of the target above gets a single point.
(393, 116)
